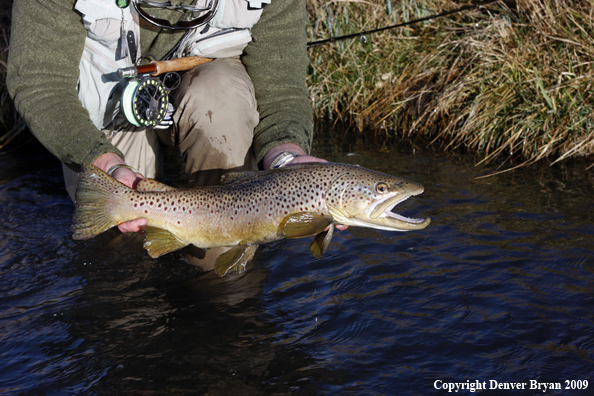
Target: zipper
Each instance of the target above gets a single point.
(217, 34)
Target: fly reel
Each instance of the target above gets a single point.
(145, 102)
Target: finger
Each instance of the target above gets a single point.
(127, 177)
(133, 225)
(341, 227)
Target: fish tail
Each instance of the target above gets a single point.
(92, 196)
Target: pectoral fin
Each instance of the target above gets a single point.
(320, 243)
(158, 241)
(303, 224)
(146, 185)
(234, 259)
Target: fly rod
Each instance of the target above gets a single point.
(156, 68)
(361, 34)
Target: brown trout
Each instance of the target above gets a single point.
(249, 208)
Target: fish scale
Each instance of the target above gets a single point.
(248, 209)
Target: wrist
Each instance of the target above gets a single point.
(283, 159)
(276, 151)
(107, 161)
(114, 168)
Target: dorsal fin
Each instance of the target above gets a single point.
(146, 185)
(238, 177)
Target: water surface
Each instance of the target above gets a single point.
(500, 287)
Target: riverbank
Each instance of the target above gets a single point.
(510, 83)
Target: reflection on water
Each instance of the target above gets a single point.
(499, 287)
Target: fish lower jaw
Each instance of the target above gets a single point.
(387, 213)
(399, 223)
(411, 220)
(388, 221)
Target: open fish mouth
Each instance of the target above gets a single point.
(411, 220)
(383, 217)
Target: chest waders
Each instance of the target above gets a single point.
(217, 29)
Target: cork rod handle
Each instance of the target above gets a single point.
(179, 64)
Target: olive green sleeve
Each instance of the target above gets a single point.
(277, 63)
(46, 45)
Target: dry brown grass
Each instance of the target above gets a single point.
(12, 128)
(510, 81)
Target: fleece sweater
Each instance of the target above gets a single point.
(47, 42)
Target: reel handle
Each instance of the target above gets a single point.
(159, 67)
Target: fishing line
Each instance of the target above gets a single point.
(363, 33)
(145, 102)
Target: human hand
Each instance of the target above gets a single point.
(126, 176)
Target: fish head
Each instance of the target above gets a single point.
(365, 198)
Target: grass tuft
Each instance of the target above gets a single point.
(12, 127)
(509, 81)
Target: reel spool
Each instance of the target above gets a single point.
(145, 102)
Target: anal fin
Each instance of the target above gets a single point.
(234, 259)
(320, 243)
(158, 241)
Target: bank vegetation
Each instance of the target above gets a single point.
(510, 82)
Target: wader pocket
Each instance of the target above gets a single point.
(235, 14)
(102, 19)
(219, 43)
(99, 88)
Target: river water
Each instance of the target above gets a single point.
(498, 290)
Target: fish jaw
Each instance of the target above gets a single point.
(363, 203)
(383, 216)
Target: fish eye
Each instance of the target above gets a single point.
(382, 188)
